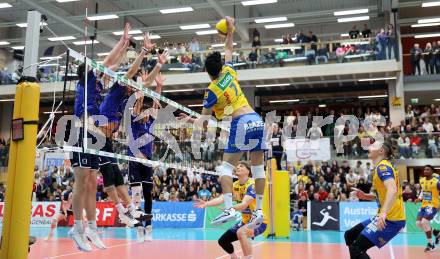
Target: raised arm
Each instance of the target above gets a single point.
(161, 60)
(229, 39)
(148, 46)
(113, 57)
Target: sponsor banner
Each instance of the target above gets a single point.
(177, 215)
(211, 213)
(106, 215)
(353, 213)
(324, 216)
(307, 149)
(42, 213)
(411, 211)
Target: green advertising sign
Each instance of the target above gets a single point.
(211, 213)
(411, 210)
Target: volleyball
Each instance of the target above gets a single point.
(222, 27)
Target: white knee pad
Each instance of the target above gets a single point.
(426, 225)
(226, 169)
(258, 172)
(136, 195)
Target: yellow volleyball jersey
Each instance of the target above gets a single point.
(384, 170)
(241, 190)
(430, 190)
(224, 94)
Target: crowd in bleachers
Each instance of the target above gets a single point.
(430, 55)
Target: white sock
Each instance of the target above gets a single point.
(92, 224)
(120, 208)
(259, 201)
(228, 200)
(78, 226)
(430, 240)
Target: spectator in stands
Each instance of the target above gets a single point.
(366, 32)
(323, 194)
(204, 193)
(352, 179)
(322, 53)
(285, 40)
(256, 43)
(428, 57)
(415, 141)
(381, 39)
(253, 58)
(416, 54)
(302, 38)
(277, 144)
(303, 177)
(437, 56)
(408, 194)
(42, 191)
(403, 144)
(165, 193)
(194, 45)
(354, 32)
(432, 145)
(314, 132)
(391, 42)
(340, 53)
(427, 126)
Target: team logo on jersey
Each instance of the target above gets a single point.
(225, 81)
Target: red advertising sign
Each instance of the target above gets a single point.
(106, 215)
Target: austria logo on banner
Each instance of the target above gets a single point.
(106, 215)
(42, 213)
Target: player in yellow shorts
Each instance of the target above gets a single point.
(244, 194)
(430, 204)
(390, 218)
(224, 97)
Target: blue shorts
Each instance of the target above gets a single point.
(258, 231)
(246, 134)
(427, 212)
(381, 238)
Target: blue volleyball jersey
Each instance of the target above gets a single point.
(94, 90)
(139, 129)
(111, 105)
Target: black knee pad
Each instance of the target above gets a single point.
(357, 253)
(107, 174)
(117, 175)
(225, 241)
(351, 234)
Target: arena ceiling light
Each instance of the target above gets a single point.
(431, 4)
(285, 101)
(18, 47)
(427, 35)
(274, 19)
(430, 20)
(322, 105)
(87, 42)
(372, 96)
(271, 85)
(50, 58)
(102, 17)
(152, 36)
(278, 40)
(103, 54)
(345, 35)
(377, 79)
(350, 12)
(279, 25)
(221, 45)
(5, 5)
(24, 24)
(195, 105)
(3, 43)
(207, 32)
(195, 26)
(354, 19)
(6, 100)
(179, 90)
(425, 24)
(258, 2)
(437, 100)
(179, 69)
(177, 10)
(62, 38)
(119, 33)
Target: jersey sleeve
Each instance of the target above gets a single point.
(210, 99)
(438, 185)
(385, 172)
(251, 191)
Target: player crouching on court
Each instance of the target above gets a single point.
(244, 193)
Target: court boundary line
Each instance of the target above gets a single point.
(81, 252)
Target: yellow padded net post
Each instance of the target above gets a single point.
(16, 221)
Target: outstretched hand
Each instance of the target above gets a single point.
(230, 22)
(144, 75)
(126, 36)
(147, 41)
(200, 204)
(163, 58)
(160, 79)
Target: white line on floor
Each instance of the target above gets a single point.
(239, 250)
